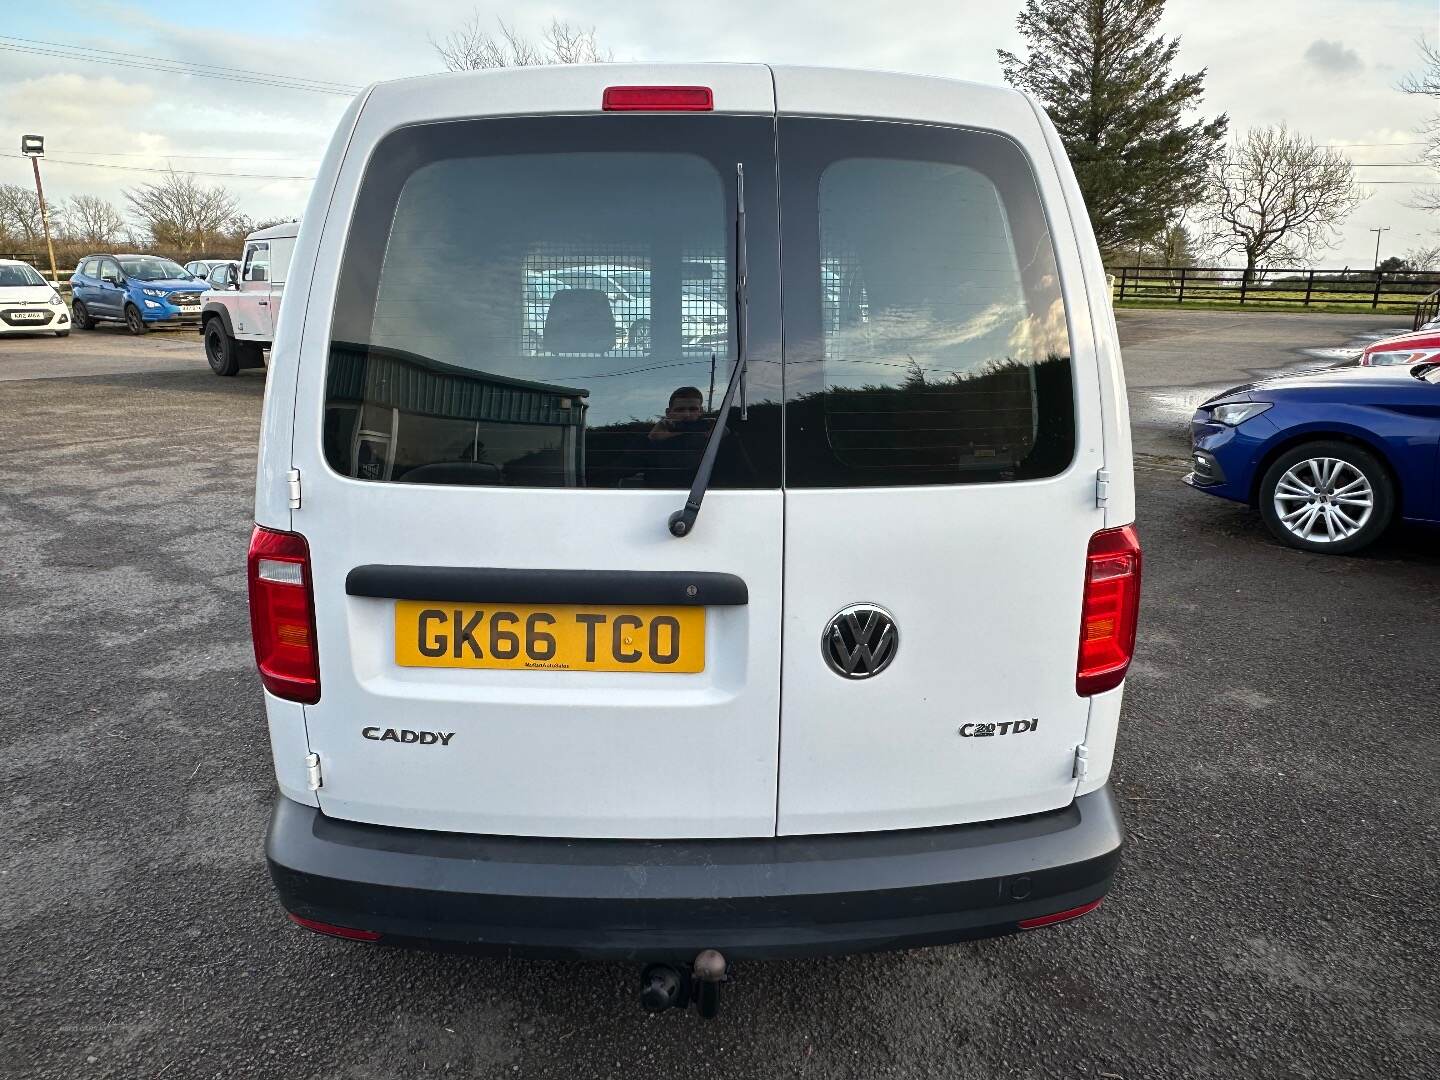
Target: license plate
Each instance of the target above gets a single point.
(555, 637)
(34, 316)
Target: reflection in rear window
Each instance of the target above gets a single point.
(941, 354)
(538, 319)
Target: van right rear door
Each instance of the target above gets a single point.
(943, 434)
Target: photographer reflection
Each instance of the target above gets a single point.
(677, 441)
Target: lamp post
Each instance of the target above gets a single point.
(33, 147)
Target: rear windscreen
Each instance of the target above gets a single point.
(926, 335)
(544, 303)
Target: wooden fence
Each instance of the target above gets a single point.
(1302, 288)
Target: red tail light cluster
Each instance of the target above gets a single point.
(1110, 612)
(658, 99)
(282, 615)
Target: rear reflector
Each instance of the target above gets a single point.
(334, 931)
(1110, 611)
(1050, 920)
(658, 99)
(282, 615)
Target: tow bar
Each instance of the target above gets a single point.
(663, 986)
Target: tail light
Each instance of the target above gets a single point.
(658, 99)
(1110, 611)
(282, 615)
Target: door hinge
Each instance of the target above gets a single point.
(312, 772)
(1102, 488)
(292, 479)
(1082, 762)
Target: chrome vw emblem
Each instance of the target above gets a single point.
(860, 641)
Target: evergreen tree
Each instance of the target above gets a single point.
(1103, 75)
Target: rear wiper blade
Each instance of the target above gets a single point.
(682, 521)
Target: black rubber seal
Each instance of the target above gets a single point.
(492, 585)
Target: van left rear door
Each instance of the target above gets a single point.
(511, 641)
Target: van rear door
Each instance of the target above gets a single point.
(494, 425)
(943, 437)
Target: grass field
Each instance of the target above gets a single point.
(1402, 312)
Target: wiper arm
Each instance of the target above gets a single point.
(682, 521)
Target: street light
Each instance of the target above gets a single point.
(33, 147)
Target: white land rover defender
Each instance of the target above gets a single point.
(238, 319)
(809, 638)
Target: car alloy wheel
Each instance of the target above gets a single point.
(1322, 500)
(134, 322)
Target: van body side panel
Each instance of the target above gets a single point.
(1104, 726)
(1115, 405)
(289, 747)
(272, 497)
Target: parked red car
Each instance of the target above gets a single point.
(1423, 345)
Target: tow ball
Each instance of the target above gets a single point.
(663, 986)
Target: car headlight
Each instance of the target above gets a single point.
(55, 300)
(1236, 413)
(1401, 357)
(152, 292)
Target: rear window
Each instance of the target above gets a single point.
(927, 340)
(546, 303)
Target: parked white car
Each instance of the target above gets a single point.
(240, 309)
(552, 668)
(28, 303)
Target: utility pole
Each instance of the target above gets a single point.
(33, 147)
(1377, 232)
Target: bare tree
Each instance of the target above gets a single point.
(91, 221)
(471, 47)
(1277, 197)
(1423, 258)
(1427, 84)
(20, 225)
(182, 214)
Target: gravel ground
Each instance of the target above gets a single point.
(1274, 915)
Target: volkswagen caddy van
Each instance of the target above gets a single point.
(805, 636)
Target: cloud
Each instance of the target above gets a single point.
(1332, 58)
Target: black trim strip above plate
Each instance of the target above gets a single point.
(493, 585)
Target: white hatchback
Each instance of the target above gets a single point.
(805, 638)
(28, 303)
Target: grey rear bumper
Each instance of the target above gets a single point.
(662, 899)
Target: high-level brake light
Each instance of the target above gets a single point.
(658, 99)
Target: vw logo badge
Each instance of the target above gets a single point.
(860, 641)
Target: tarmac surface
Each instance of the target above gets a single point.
(1274, 915)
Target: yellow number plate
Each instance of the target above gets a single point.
(558, 637)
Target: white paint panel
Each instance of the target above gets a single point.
(985, 584)
(272, 498)
(288, 745)
(547, 753)
(1100, 738)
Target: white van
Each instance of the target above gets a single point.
(809, 638)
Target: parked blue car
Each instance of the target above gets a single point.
(138, 290)
(1330, 458)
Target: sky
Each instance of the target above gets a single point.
(1329, 69)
